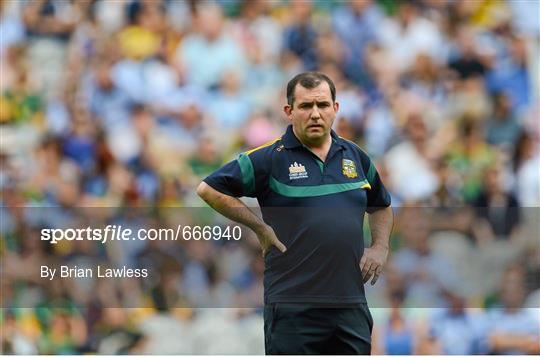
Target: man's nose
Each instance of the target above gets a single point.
(315, 113)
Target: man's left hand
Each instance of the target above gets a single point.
(372, 263)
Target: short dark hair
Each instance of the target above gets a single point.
(309, 80)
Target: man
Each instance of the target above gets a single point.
(313, 188)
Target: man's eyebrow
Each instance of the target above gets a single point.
(315, 101)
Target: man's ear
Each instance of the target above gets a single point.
(287, 110)
(336, 107)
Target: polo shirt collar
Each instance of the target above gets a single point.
(290, 140)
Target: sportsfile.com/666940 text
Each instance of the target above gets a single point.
(119, 233)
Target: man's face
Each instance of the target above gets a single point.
(312, 113)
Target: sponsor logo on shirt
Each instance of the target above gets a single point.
(297, 171)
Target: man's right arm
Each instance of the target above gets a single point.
(234, 209)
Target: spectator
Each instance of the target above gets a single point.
(470, 156)
(49, 25)
(209, 53)
(229, 106)
(299, 37)
(457, 329)
(502, 128)
(497, 211)
(410, 34)
(409, 167)
(396, 336)
(140, 39)
(356, 26)
(512, 329)
(427, 272)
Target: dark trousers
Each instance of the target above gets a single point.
(300, 329)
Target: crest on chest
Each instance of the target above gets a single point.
(349, 168)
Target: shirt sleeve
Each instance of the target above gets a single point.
(227, 179)
(377, 195)
(236, 178)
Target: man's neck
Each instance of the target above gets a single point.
(320, 147)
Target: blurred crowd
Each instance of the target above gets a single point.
(122, 107)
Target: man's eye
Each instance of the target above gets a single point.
(323, 105)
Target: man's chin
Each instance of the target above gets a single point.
(315, 137)
(315, 133)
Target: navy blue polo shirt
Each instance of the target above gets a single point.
(316, 209)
